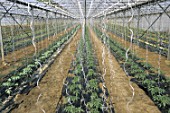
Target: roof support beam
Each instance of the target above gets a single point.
(36, 7)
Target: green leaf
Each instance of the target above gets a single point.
(77, 71)
(94, 96)
(76, 79)
(97, 104)
(92, 85)
(31, 66)
(141, 76)
(72, 87)
(73, 109)
(8, 91)
(156, 90)
(91, 73)
(73, 98)
(162, 100)
(15, 77)
(94, 110)
(7, 84)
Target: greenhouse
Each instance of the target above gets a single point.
(84, 56)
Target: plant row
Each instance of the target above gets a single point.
(25, 30)
(152, 80)
(81, 91)
(150, 34)
(27, 75)
(154, 41)
(40, 52)
(25, 40)
(8, 38)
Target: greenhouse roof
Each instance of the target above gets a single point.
(82, 8)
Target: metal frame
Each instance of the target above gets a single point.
(88, 9)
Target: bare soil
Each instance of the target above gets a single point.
(150, 57)
(15, 59)
(118, 84)
(51, 85)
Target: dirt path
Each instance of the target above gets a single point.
(153, 58)
(16, 58)
(51, 85)
(118, 84)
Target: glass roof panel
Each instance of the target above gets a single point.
(80, 8)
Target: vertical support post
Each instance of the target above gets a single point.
(47, 24)
(66, 25)
(32, 19)
(85, 18)
(33, 30)
(61, 25)
(124, 29)
(64, 22)
(111, 23)
(56, 24)
(13, 41)
(137, 35)
(115, 24)
(2, 47)
(168, 56)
